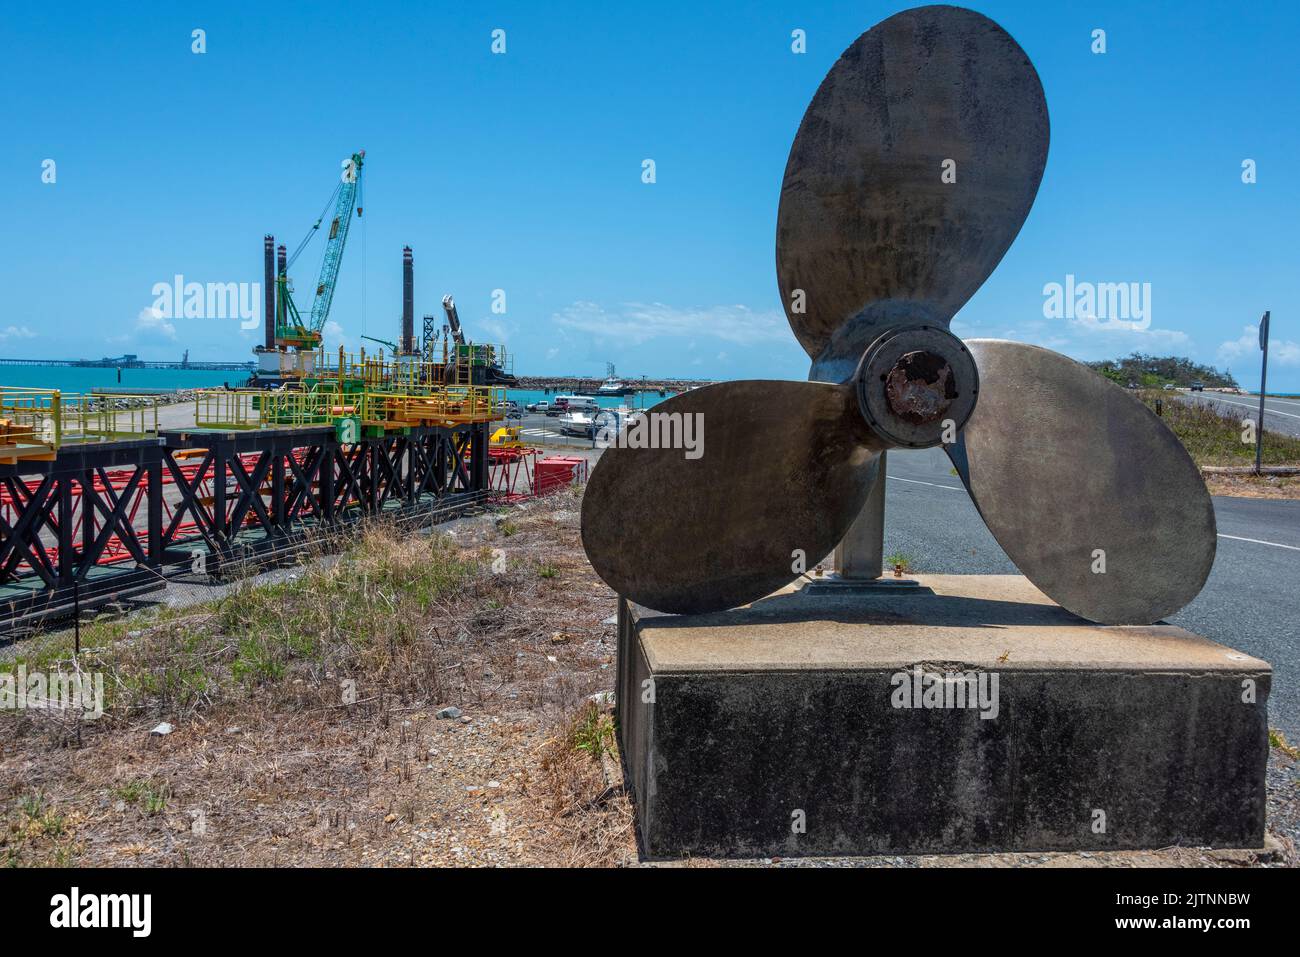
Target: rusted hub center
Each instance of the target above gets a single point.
(920, 387)
(917, 386)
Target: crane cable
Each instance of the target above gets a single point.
(361, 195)
(312, 231)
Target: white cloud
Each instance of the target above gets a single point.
(1079, 336)
(1084, 338)
(1114, 330)
(16, 332)
(635, 323)
(151, 323)
(1283, 351)
(334, 335)
(498, 331)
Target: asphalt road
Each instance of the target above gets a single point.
(537, 429)
(1250, 602)
(1280, 415)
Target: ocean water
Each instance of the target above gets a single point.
(76, 379)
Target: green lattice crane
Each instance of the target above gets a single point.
(290, 330)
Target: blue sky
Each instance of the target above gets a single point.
(522, 172)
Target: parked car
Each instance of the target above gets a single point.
(575, 403)
(538, 406)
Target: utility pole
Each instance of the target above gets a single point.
(1263, 377)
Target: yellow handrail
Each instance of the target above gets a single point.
(38, 421)
(255, 409)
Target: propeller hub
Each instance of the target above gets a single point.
(916, 386)
(920, 388)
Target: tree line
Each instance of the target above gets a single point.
(1155, 371)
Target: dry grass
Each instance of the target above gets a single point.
(1253, 486)
(582, 784)
(304, 714)
(1213, 438)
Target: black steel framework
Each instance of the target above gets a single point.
(104, 521)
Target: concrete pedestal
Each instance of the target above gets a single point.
(969, 715)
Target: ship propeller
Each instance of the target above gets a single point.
(911, 174)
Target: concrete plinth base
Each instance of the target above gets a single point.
(969, 715)
(859, 586)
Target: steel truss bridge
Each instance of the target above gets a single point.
(101, 521)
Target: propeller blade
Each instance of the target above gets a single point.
(869, 228)
(783, 471)
(1072, 476)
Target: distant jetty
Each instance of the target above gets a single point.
(132, 362)
(575, 384)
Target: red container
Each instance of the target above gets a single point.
(557, 471)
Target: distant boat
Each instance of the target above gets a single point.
(612, 386)
(576, 423)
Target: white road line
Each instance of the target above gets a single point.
(955, 488)
(1273, 399)
(1235, 538)
(1256, 541)
(1255, 407)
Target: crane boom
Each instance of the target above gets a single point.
(329, 272)
(453, 319)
